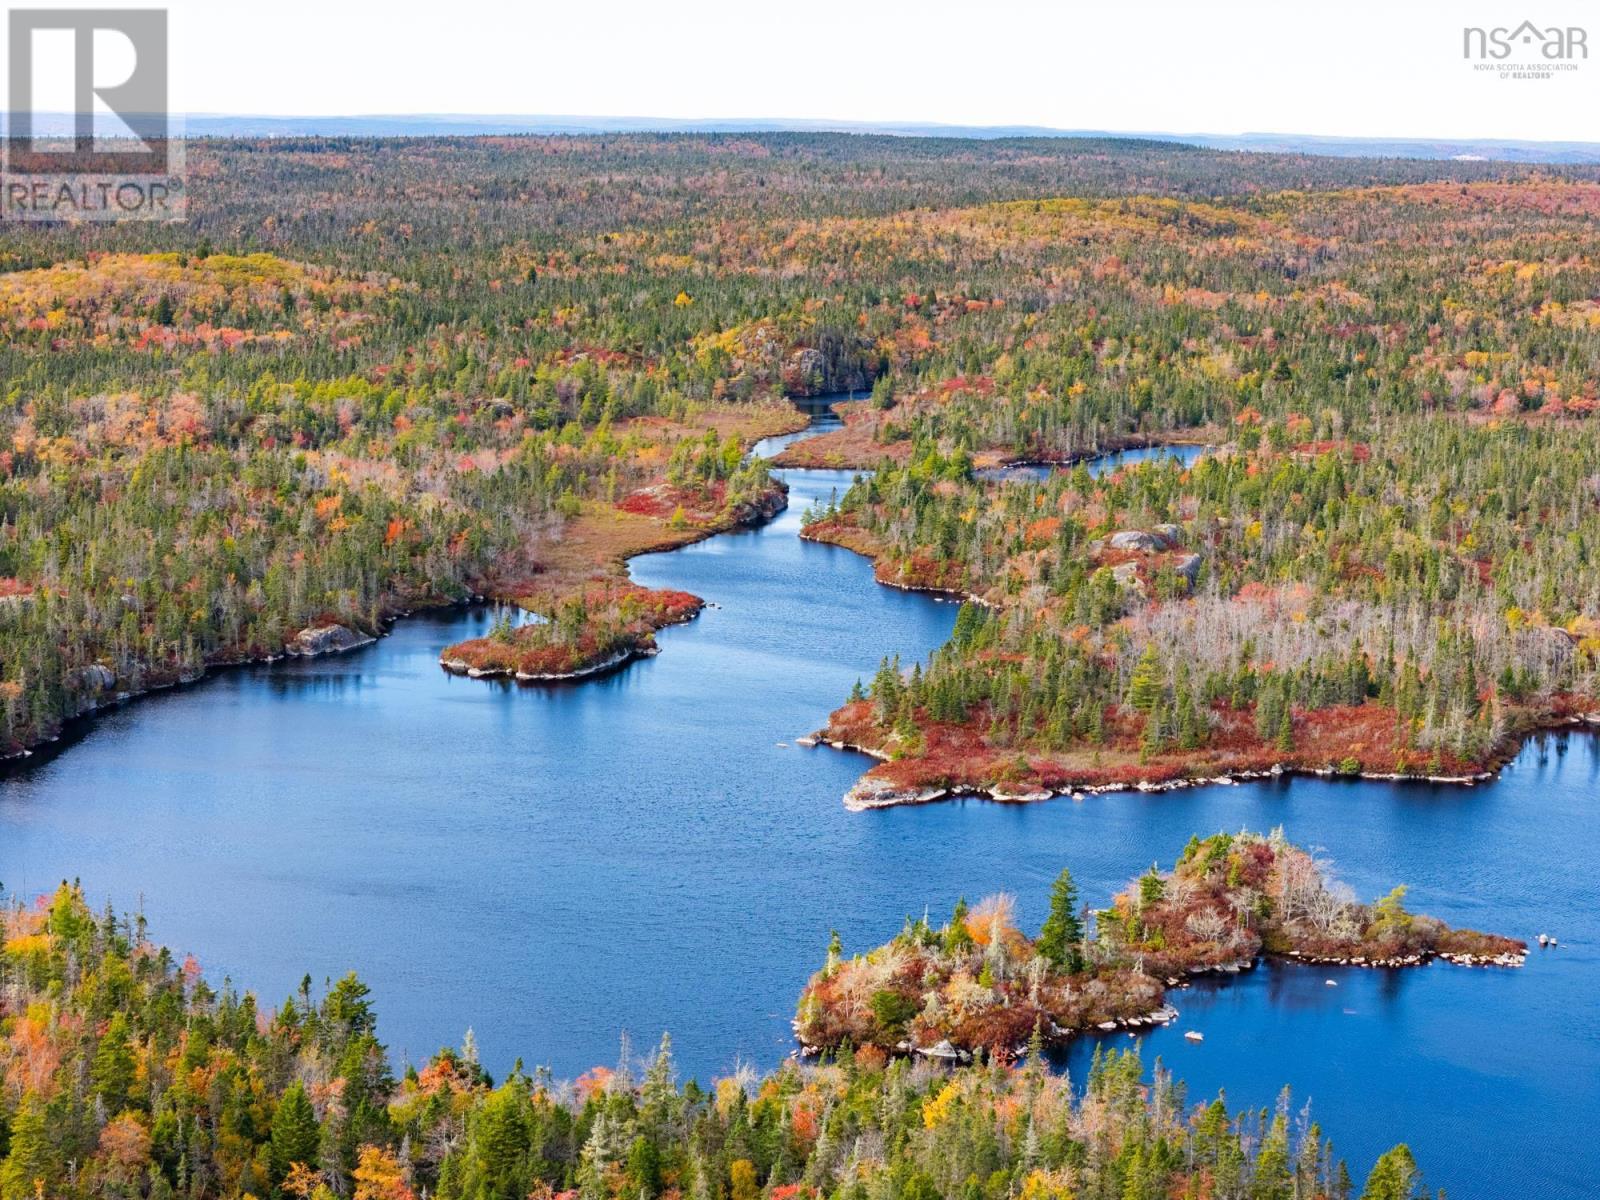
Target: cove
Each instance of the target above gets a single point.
(650, 851)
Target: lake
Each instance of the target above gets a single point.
(1183, 455)
(650, 851)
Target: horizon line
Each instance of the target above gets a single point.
(757, 124)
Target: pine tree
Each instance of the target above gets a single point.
(295, 1132)
(956, 937)
(1394, 1176)
(113, 1068)
(1154, 737)
(1062, 933)
(1145, 688)
(1191, 729)
(32, 1163)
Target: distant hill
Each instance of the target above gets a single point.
(466, 125)
(1500, 150)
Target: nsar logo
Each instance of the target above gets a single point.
(1554, 44)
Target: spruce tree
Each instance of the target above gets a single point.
(1191, 729)
(295, 1133)
(32, 1162)
(1062, 933)
(956, 937)
(1273, 1180)
(1153, 739)
(1145, 689)
(113, 1068)
(1394, 1176)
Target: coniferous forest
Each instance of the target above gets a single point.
(368, 376)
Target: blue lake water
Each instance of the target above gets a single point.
(651, 851)
(1037, 472)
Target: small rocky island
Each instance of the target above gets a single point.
(979, 983)
(581, 635)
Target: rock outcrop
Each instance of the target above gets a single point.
(324, 639)
(1127, 575)
(96, 678)
(872, 792)
(1136, 540)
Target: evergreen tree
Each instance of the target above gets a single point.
(1394, 1176)
(1144, 690)
(113, 1069)
(1191, 728)
(1062, 934)
(498, 1140)
(1273, 1180)
(296, 1135)
(956, 937)
(1285, 739)
(1153, 738)
(33, 1163)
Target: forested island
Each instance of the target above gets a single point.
(127, 1074)
(978, 983)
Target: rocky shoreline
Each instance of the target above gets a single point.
(942, 594)
(872, 792)
(1165, 1013)
(1061, 462)
(333, 638)
(336, 638)
(314, 641)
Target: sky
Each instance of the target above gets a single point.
(1354, 68)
